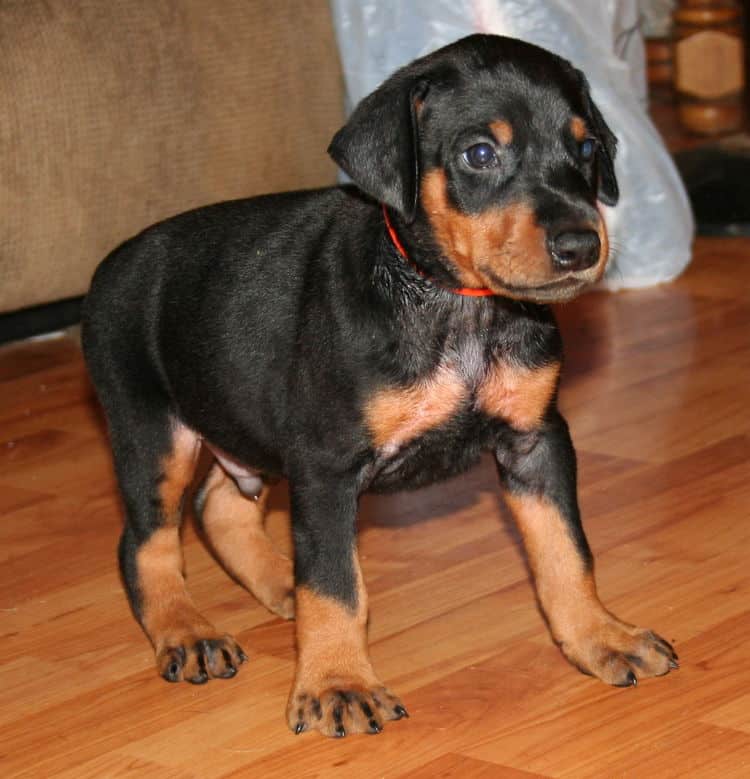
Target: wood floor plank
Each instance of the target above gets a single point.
(627, 734)
(733, 715)
(455, 765)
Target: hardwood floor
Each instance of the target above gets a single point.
(656, 390)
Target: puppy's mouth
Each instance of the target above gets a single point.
(554, 292)
(557, 291)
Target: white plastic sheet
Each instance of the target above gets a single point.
(651, 228)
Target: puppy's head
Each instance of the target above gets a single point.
(493, 153)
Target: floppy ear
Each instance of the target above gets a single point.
(378, 147)
(609, 192)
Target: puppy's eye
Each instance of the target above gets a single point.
(481, 155)
(588, 147)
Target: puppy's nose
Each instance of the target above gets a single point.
(575, 250)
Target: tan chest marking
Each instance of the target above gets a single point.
(396, 416)
(518, 396)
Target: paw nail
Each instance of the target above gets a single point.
(631, 679)
(173, 672)
(374, 727)
(242, 655)
(340, 732)
(299, 728)
(401, 712)
(673, 664)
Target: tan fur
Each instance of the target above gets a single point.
(503, 131)
(507, 241)
(518, 396)
(178, 468)
(578, 128)
(598, 270)
(397, 416)
(332, 637)
(235, 528)
(167, 611)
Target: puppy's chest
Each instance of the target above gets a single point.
(456, 390)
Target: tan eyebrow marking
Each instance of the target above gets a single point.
(578, 128)
(503, 131)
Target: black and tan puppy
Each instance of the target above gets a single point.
(369, 338)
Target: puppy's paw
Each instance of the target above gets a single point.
(342, 708)
(620, 654)
(197, 660)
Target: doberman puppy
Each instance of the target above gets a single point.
(369, 337)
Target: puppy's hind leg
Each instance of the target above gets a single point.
(234, 526)
(155, 458)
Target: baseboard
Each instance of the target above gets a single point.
(38, 320)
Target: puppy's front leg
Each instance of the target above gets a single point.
(335, 688)
(538, 470)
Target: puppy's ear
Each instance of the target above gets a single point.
(378, 148)
(609, 192)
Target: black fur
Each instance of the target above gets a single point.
(267, 324)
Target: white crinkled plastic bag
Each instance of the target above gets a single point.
(651, 228)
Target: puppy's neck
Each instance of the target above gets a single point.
(474, 292)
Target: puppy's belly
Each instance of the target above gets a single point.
(248, 479)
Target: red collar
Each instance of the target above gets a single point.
(472, 292)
